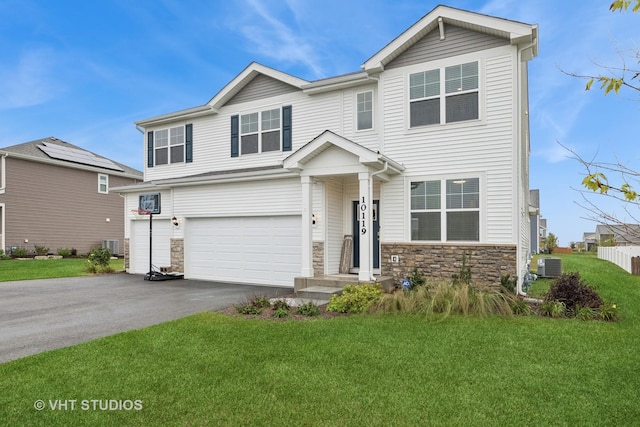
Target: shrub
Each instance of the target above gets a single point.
(520, 308)
(280, 304)
(416, 278)
(308, 309)
(509, 283)
(261, 301)
(280, 313)
(607, 312)
(98, 261)
(573, 293)
(41, 250)
(355, 298)
(554, 309)
(63, 252)
(20, 252)
(464, 276)
(248, 309)
(585, 313)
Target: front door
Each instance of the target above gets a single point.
(375, 234)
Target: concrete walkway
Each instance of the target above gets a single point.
(41, 315)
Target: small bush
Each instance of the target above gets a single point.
(280, 313)
(416, 278)
(520, 308)
(573, 293)
(63, 252)
(554, 309)
(308, 309)
(20, 252)
(280, 304)
(261, 302)
(464, 276)
(607, 312)
(509, 283)
(41, 250)
(98, 261)
(355, 298)
(585, 313)
(248, 309)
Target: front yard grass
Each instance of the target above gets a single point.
(211, 369)
(28, 269)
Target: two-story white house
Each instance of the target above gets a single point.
(417, 160)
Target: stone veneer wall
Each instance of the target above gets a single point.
(126, 254)
(177, 255)
(318, 258)
(487, 262)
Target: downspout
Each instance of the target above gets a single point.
(383, 170)
(519, 290)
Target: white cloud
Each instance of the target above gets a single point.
(30, 81)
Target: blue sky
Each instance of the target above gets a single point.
(84, 71)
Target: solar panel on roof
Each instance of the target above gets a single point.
(77, 156)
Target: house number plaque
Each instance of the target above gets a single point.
(363, 212)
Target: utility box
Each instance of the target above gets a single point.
(549, 267)
(112, 245)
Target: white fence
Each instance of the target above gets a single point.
(619, 255)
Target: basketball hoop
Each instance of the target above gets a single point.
(141, 211)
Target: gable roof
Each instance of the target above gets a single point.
(56, 151)
(524, 35)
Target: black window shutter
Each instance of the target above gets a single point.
(188, 143)
(286, 128)
(150, 149)
(235, 147)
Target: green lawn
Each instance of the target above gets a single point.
(15, 269)
(209, 369)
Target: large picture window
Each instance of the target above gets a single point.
(450, 215)
(437, 97)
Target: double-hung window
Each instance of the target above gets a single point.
(364, 102)
(103, 183)
(446, 210)
(444, 95)
(169, 145)
(260, 132)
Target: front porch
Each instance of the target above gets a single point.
(321, 287)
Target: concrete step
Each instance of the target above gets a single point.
(318, 292)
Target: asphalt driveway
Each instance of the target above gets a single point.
(41, 315)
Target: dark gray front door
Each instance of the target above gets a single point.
(375, 234)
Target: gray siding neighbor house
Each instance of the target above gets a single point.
(55, 194)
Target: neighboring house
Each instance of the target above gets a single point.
(621, 234)
(418, 160)
(542, 239)
(589, 240)
(56, 195)
(534, 219)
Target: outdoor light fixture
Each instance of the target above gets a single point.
(313, 219)
(175, 221)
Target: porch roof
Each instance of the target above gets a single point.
(328, 139)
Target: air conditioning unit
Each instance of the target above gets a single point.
(112, 245)
(549, 267)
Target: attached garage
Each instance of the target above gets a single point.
(161, 256)
(256, 250)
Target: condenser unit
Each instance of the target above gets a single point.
(112, 245)
(549, 267)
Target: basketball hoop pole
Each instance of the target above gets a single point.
(150, 245)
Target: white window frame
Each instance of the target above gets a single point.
(103, 177)
(442, 66)
(443, 205)
(173, 140)
(260, 129)
(357, 112)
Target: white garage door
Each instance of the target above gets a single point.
(161, 256)
(260, 250)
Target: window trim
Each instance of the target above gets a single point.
(481, 209)
(260, 131)
(106, 183)
(168, 145)
(357, 112)
(441, 65)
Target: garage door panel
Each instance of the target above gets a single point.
(261, 250)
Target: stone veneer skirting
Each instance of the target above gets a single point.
(126, 255)
(177, 255)
(487, 262)
(318, 258)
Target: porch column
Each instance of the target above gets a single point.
(307, 231)
(365, 227)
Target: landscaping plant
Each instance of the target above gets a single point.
(355, 298)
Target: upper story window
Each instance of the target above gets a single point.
(444, 95)
(103, 183)
(168, 146)
(460, 218)
(364, 101)
(260, 132)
